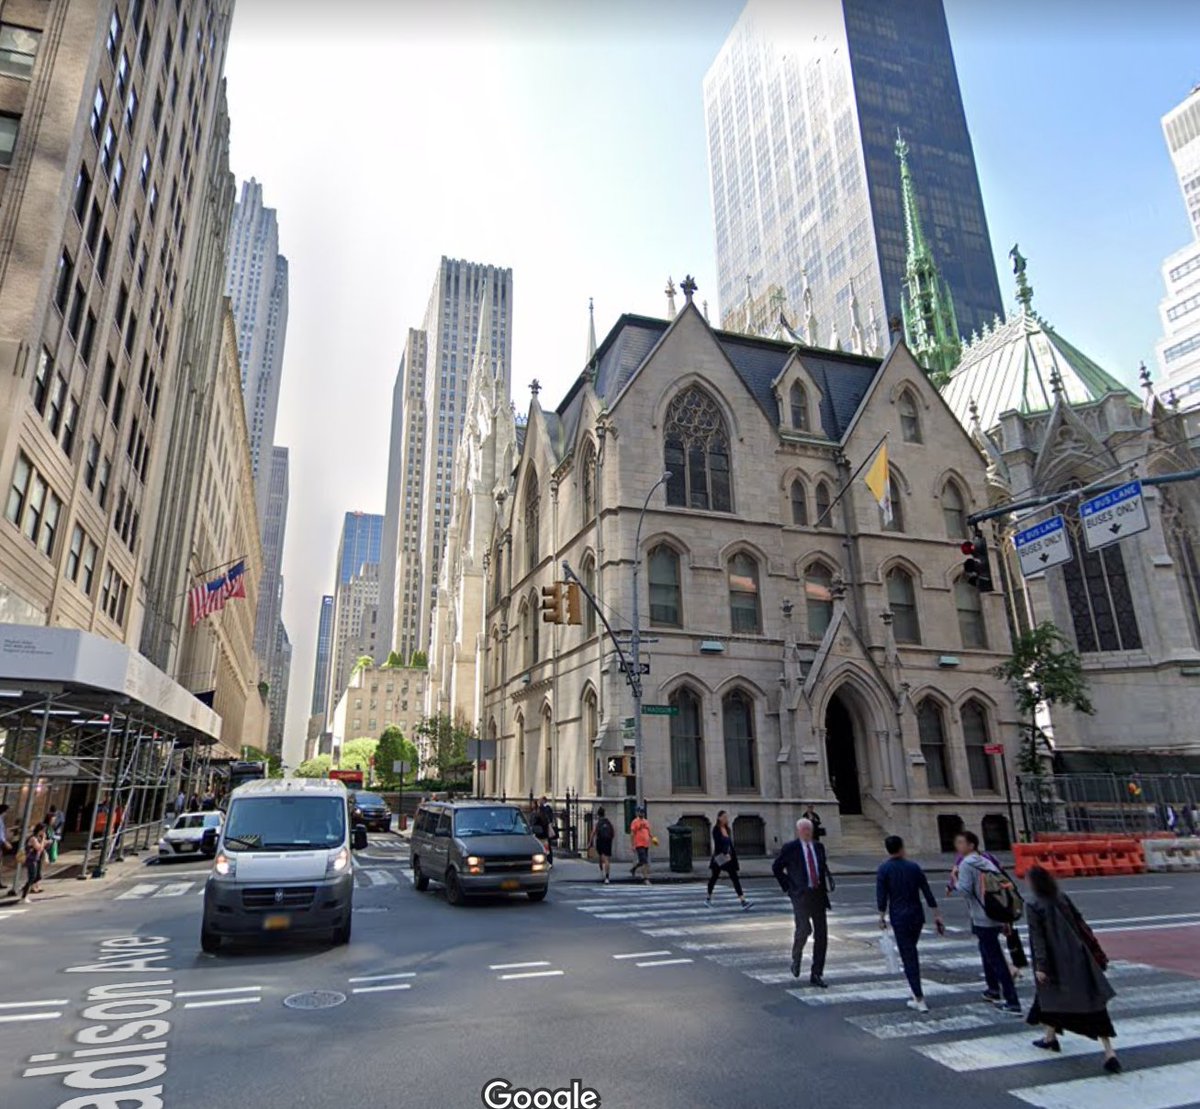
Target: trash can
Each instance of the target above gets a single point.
(679, 843)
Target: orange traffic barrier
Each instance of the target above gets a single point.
(1082, 857)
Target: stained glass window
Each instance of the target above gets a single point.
(931, 727)
(696, 452)
(687, 743)
(740, 773)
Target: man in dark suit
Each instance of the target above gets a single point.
(802, 873)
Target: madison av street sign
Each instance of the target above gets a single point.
(1043, 545)
(1112, 516)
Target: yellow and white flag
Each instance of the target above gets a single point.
(878, 482)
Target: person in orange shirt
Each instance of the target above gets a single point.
(639, 833)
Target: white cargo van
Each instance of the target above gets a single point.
(282, 865)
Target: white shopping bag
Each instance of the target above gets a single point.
(891, 954)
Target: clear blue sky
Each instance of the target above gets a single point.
(566, 140)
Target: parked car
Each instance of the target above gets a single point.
(192, 834)
(477, 847)
(372, 810)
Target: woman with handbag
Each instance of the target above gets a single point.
(724, 858)
(1069, 964)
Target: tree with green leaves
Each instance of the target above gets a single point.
(394, 661)
(257, 754)
(446, 740)
(1043, 670)
(363, 662)
(419, 660)
(393, 747)
(317, 767)
(357, 755)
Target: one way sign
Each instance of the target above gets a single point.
(1112, 516)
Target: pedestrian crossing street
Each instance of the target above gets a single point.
(961, 1033)
(365, 877)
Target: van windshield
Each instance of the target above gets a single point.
(500, 821)
(285, 823)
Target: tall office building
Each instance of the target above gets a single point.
(109, 110)
(803, 104)
(279, 679)
(257, 282)
(433, 384)
(1179, 348)
(320, 689)
(274, 528)
(361, 541)
(355, 600)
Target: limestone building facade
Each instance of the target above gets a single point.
(808, 650)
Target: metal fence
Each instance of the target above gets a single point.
(1120, 804)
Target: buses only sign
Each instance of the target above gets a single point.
(1112, 516)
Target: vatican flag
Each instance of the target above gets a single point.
(877, 481)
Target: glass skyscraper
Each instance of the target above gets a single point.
(362, 539)
(802, 106)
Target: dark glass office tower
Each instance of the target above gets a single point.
(803, 104)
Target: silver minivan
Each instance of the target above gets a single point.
(283, 864)
(477, 847)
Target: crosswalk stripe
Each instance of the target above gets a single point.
(174, 889)
(892, 991)
(1163, 1087)
(140, 890)
(1014, 1050)
(379, 877)
(12, 912)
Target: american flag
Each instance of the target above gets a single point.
(209, 597)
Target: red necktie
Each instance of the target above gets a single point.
(813, 881)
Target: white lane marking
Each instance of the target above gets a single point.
(380, 989)
(1149, 1088)
(1014, 1050)
(1086, 892)
(383, 977)
(174, 889)
(518, 966)
(222, 1001)
(31, 1004)
(533, 974)
(216, 992)
(12, 912)
(898, 1029)
(140, 890)
(1152, 927)
(29, 1016)
(893, 991)
(408, 874)
(664, 962)
(1146, 919)
(781, 924)
(378, 877)
(628, 955)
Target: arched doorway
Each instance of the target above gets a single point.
(841, 756)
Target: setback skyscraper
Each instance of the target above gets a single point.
(433, 383)
(354, 622)
(803, 104)
(320, 690)
(269, 633)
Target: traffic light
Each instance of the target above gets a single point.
(976, 569)
(574, 603)
(552, 603)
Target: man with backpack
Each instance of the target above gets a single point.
(603, 834)
(993, 905)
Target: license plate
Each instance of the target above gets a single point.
(188, 847)
(510, 884)
(277, 922)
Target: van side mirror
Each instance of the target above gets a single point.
(208, 843)
(359, 838)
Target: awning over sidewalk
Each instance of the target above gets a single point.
(1125, 763)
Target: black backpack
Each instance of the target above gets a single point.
(604, 829)
(998, 895)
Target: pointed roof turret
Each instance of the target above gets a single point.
(670, 292)
(835, 340)
(591, 339)
(857, 344)
(809, 323)
(873, 330)
(930, 326)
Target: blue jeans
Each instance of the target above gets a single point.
(907, 934)
(995, 966)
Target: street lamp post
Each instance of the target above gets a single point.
(635, 642)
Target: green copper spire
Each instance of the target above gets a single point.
(930, 326)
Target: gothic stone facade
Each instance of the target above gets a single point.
(811, 655)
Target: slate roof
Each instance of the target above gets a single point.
(1011, 367)
(843, 378)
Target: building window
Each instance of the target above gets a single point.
(1102, 609)
(18, 49)
(62, 288)
(738, 715)
(971, 625)
(744, 611)
(591, 717)
(90, 551)
(931, 728)
(954, 511)
(818, 599)
(798, 403)
(824, 517)
(696, 452)
(18, 490)
(587, 483)
(532, 521)
(589, 583)
(1187, 564)
(548, 748)
(74, 553)
(10, 125)
(99, 108)
(687, 743)
(799, 504)
(526, 638)
(975, 737)
(666, 608)
(910, 419)
(902, 600)
(896, 522)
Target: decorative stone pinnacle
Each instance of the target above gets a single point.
(670, 289)
(1024, 289)
(895, 326)
(706, 311)
(1144, 376)
(535, 387)
(837, 587)
(1056, 381)
(689, 287)
(973, 409)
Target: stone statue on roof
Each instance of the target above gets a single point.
(1018, 260)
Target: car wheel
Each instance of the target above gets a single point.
(342, 935)
(420, 880)
(537, 895)
(454, 893)
(210, 942)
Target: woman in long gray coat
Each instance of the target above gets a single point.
(1069, 965)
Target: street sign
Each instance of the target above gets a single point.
(1112, 516)
(660, 710)
(60, 766)
(627, 722)
(993, 748)
(399, 766)
(643, 668)
(480, 749)
(1042, 546)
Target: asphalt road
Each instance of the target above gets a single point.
(643, 994)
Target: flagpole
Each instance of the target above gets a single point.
(222, 566)
(850, 480)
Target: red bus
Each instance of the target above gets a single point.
(352, 779)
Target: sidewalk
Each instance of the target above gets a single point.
(70, 866)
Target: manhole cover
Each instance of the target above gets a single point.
(314, 999)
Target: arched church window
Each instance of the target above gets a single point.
(798, 403)
(1098, 594)
(587, 482)
(532, 520)
(696, 452)
(931, 729)
(910, 418)
(799, 504)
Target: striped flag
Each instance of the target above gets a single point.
(235, 581)
(209, 597)
(878, 481)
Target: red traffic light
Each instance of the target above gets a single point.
(967, 546)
